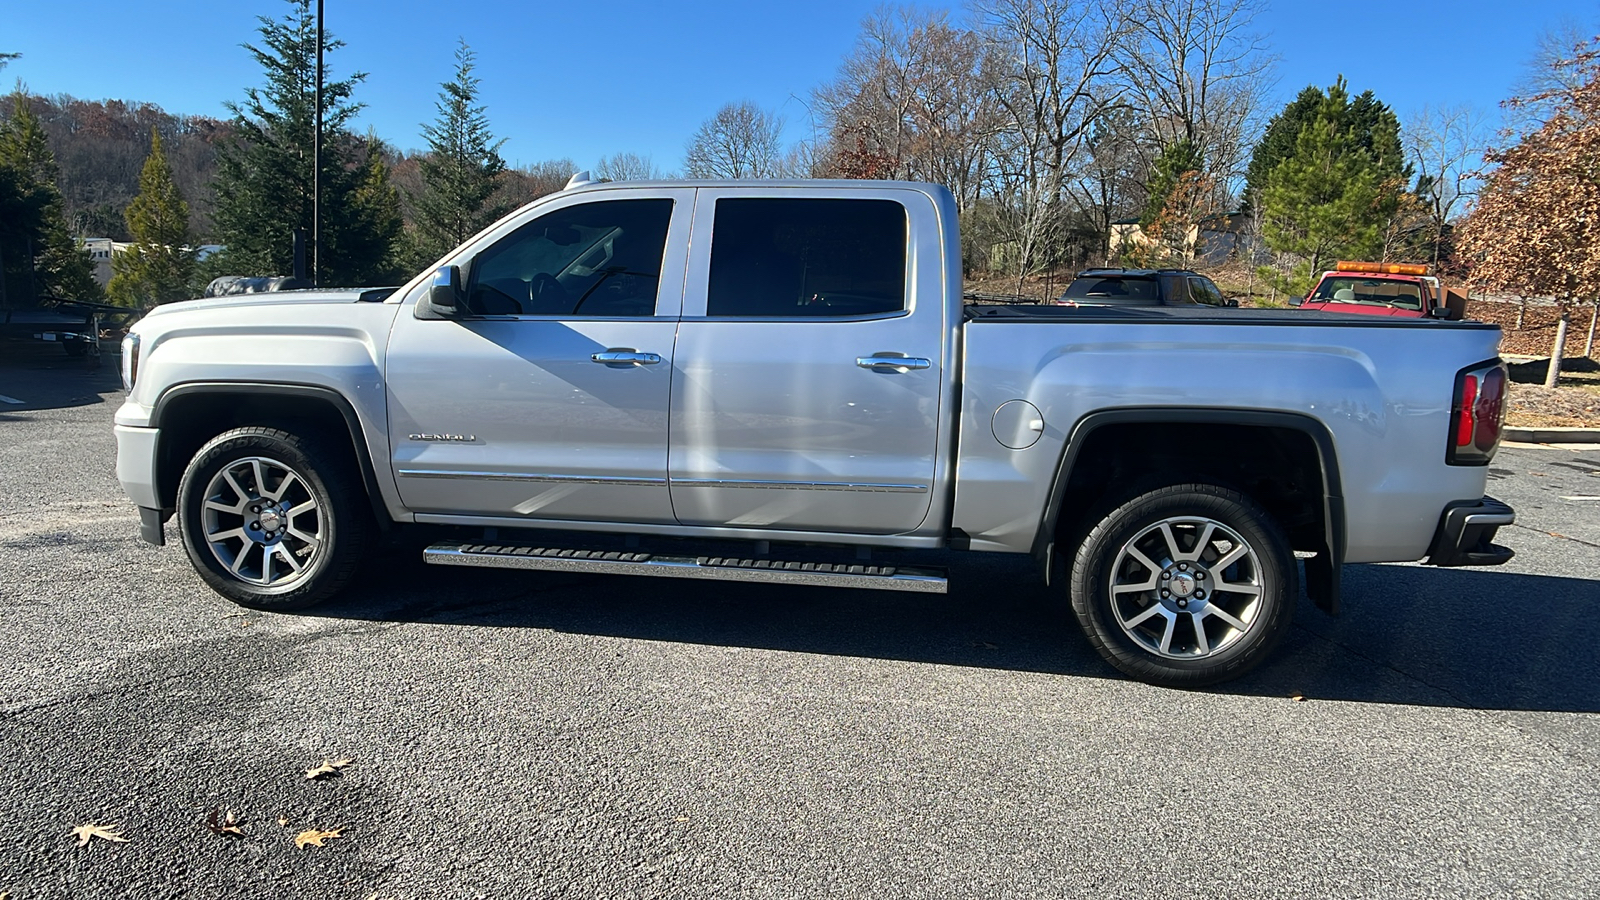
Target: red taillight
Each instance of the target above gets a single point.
(1476, 415)
(1466, 411)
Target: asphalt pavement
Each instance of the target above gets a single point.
(546, 735)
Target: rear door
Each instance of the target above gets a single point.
(807, 378)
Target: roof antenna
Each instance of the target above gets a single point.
(579, 179)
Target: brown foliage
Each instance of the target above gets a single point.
(1536, 229)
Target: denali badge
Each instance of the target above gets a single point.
(460, 438)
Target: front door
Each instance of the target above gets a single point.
(807, 380)
(549, 402)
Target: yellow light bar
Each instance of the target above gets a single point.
(1382, 268)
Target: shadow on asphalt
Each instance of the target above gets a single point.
(42, 376)
(1411, 635)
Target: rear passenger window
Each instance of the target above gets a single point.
(786, 258)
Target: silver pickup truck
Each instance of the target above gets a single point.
(779, 381)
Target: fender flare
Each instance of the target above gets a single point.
(1322, 570)
(352, 421)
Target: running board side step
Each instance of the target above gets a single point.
(720, 568)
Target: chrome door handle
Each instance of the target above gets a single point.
(626, 358)
(898, 363)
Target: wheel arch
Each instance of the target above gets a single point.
(1112, 442)
(188, 415)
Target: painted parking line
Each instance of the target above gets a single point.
(5, 399)
(1580, 497)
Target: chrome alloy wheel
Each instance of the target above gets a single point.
(262, 522)
(1187, 587)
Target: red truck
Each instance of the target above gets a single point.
(1405, 290)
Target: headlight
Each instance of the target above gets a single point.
(130, 361)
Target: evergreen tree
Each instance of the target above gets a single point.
(160, 266)
(376, 204)
(1336, 191)
(41, 259)
(1177, 165)
(1278, 141)
(461, 173)
(264, 176)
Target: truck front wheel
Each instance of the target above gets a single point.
(1185, 586)
(272, 520)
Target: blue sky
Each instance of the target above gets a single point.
(586, 80)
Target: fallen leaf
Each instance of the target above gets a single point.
(284, 821)
(103, 832)
(311, 837)
(1297, 697)
(224, 825)
(328, 767)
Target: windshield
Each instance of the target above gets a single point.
(1369, 292)
(1113, 289)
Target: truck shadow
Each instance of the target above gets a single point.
(1409, 635)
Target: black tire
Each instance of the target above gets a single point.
(331, 538)
(1202, 644)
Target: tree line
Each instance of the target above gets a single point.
(1049, 120)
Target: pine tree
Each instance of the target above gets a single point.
(41, 259)
(1179, 164)
(376, 203)
(264, 176)
(1278, 141)
(461, 173)
(160, 266)
(1334, 194)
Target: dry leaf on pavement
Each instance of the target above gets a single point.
(103, 832)
(224, 825)
(328, 767)
(1297, 697)
(311, 837)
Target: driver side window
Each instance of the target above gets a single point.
(592, 260)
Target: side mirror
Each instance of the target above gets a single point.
(1441, 312)
(444, 294)
(1231, 303)
(1296, 300)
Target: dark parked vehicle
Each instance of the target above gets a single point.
(1143, 287)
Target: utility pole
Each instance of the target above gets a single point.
(316, 168)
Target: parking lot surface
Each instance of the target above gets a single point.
(546, 735)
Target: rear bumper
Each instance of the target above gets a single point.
(1466, 534)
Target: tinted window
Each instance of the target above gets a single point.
(594, 259)
(772, 257)
(1113, 289)
(1203, 291)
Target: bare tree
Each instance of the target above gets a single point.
(627, 167)
(1446, 145)
(1058, 82)
(920, 93)
(740, 141)
(1199, 74)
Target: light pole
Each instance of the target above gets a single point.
(316, 167)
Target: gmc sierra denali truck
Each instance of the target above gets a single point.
(778, 381)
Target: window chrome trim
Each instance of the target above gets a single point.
(802, 485)
(528, 476)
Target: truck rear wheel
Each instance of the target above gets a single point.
(272, 520)
(1185, 586)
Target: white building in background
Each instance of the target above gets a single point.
(102, 250)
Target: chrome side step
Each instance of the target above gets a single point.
(621, 562)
